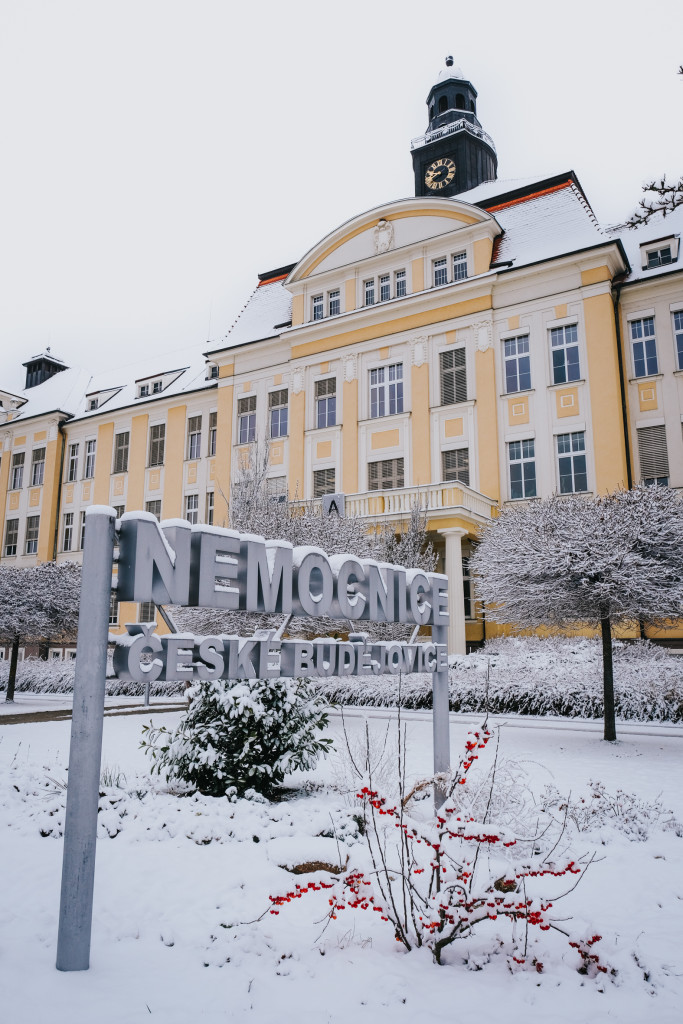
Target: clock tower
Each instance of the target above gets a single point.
(455, 153)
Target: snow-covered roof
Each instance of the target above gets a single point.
(658, 229)
(267, 311)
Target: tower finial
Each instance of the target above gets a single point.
(449, 62)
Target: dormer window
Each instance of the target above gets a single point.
(143, 391)
(211, 371)
(156, 387)
(659, 253)
(93, 403)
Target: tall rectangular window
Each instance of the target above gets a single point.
(385, 475)
(644, 347)
(37, 467)
(654, 455)
(213, 421)
(113, 609)
(522, 466)
(571, 462)
(564, 345)
(68, 531)
(467, 587)
(455, 465)
(32, 527)
(385, 287)
(318, 308)
(147, 612)
(192, 508)
(460, 266)
(119, 509)
(194, 437)
(334, 302)
(154, 507)
(157, 444)
(453, 376)
(278, 409)
(326, 402)
(517, 364)
(72, 465)
(89, 468)
(400, 284)
(323, 482)
(82, 531)
(246, 419)
(121, 446)
(17, 471)
(11, 537)
(678, 337)
(440, 270)
(210, 506)
(386, 390)
(369, 290)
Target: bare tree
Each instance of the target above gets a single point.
(570, 562)
(661, 196)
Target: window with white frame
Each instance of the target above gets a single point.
(571, 462)
(55, 655)
(318, 307)
(323, 482)
(157, 444)
(147, 612)
(522, 468)
(659, 253)
(89, 467)
(276, 487)
(644, 347)
(210, 507)
(440, 272)
(369, 292)
(384, 287)
(385, 475)
(68, 531)
(386, 390)
(32, 527)
(278, 410)
(11, 537)
(18, 460)
(564, 347)
(143, 391)
(459, 266)
(121, 448)
(517, 363)
(334, 302)
(213, 422)
(113, 609)
(194, 437)
(455, 465)
(72, 465)
(192, 508)
(453, 376)
(654, 455)
(82, 530)
(154, 507)
(157, 387)
(246, 419)
(467, 588)
(326, 402)
(400, 284)
(678, 337)
(37, 467)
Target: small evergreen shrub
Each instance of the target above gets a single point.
(241, 736)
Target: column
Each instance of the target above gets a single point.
(456, 595)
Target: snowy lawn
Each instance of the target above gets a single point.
(177, 875)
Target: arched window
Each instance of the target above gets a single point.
(431, 112)
(443, 104)
(472, 106)
(460, 102)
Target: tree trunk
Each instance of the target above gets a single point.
(608, 678)
(14, 658)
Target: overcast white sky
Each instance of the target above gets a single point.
(157, 155)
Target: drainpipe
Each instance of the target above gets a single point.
(60, 428)
(616, 294)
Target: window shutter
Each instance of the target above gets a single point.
(325, 388)
(654, 458)
(453, 376)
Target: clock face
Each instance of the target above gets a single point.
(440, 173)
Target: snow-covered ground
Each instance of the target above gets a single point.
(177, 876)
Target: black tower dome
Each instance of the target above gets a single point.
(455, 154)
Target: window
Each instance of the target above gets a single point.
(70, 655)
(443, 104)
(156, 387)
(113, 609)
(32, 525)
(334, 302)
(644, 347)
(213, 420)
(212, 371)
(654, 457)
(93, 403)
(11, 537)
(246, 411)
(121, 446)
(318, 310)
(37, 467)
(571, 462)
(678, 338)
(210, 505)
(517, 364)
(522, 463)
(192, 508)
(386, 390)
(659, 257)
(385, 475)
(276, 487)
(72, 467)
(277, 405)
(385, 288)
(564, 345)
(82, 536)
(147, 612)
(323, 482)
(68, 531)
(55, 655)
(194, 437)
(455, 465)
(154, 507)
(119, 509)
(459, 266)
(157, 444)
(453, 376)
(440, 272)
(369, 288)
(326, 402)
(143, 391)
(467, 587)
(89, 468)
(400, 285)
(17, 471)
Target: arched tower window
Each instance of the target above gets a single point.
(431, 112)
(443, 104)
(472, 106)
(460, 102)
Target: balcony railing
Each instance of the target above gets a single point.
(449, 129)
(433, 499)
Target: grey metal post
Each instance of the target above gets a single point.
(80, 827)
(440, 718)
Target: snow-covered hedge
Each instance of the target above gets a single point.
(39, 676)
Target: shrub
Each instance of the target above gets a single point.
(241, 736)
